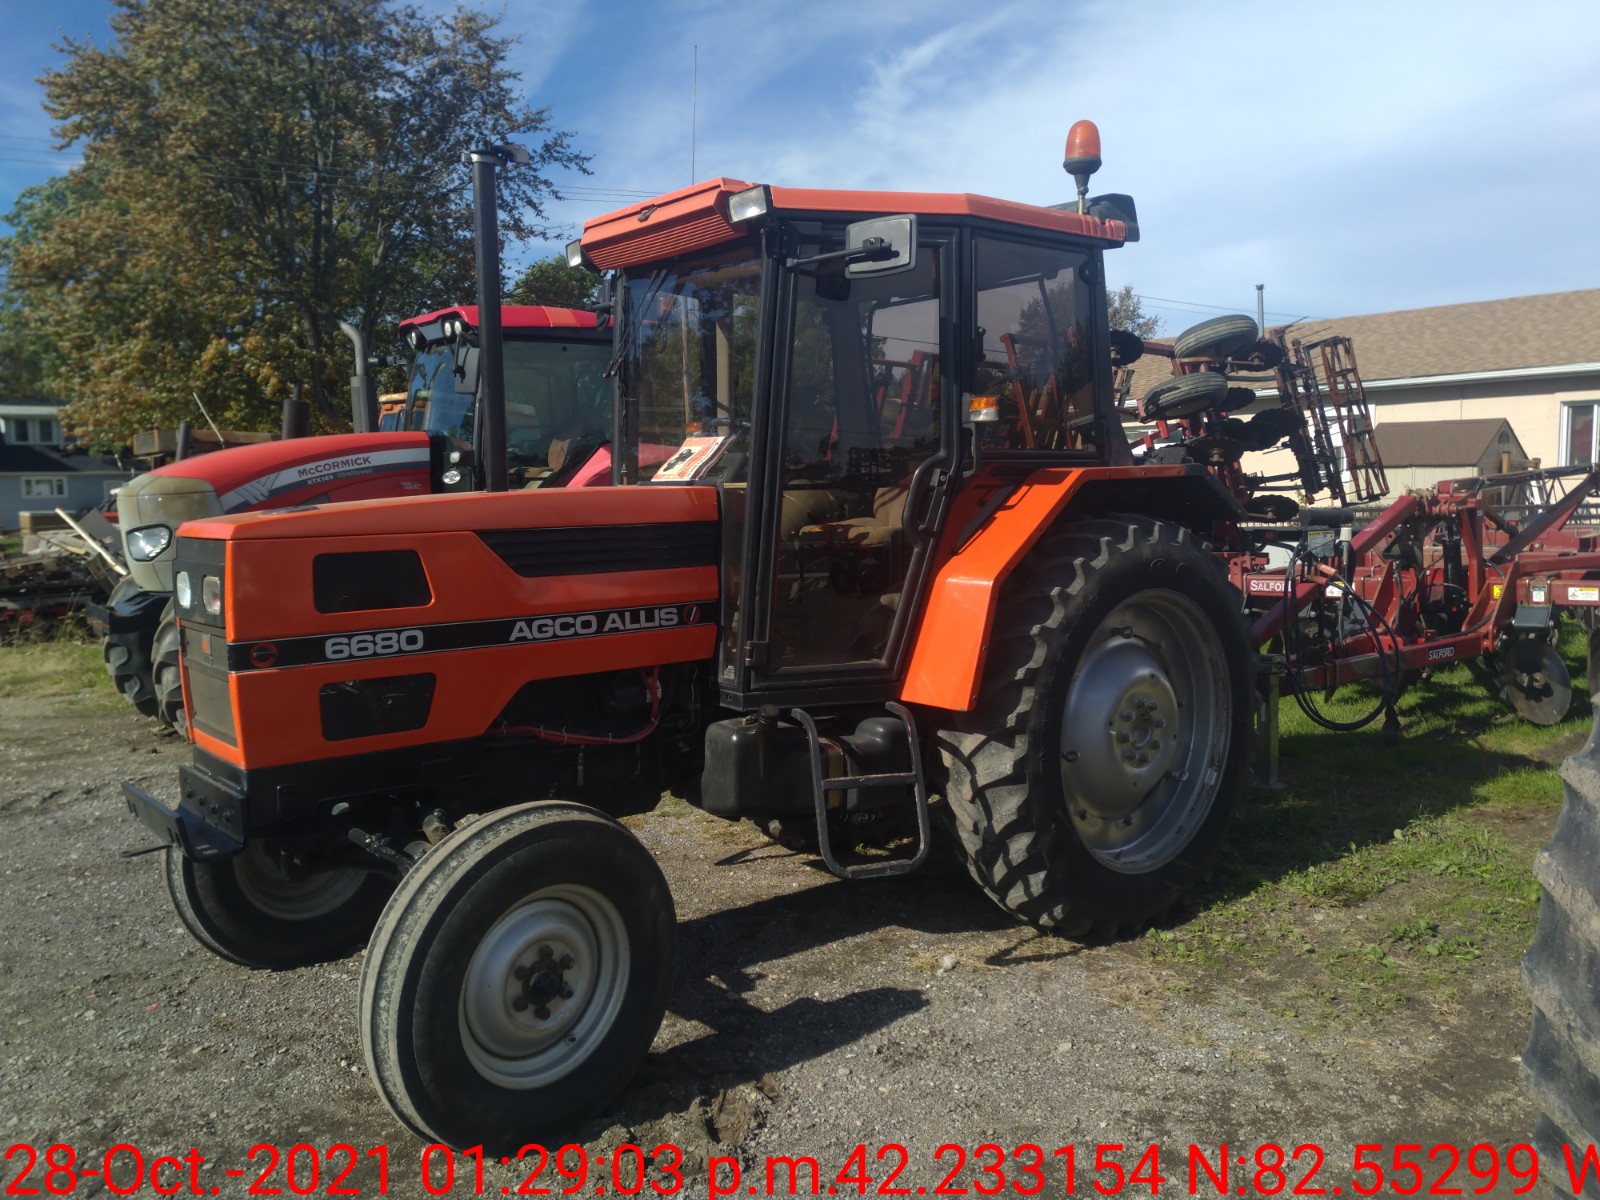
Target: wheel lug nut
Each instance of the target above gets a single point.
(1159, 722)
(1127, 756)
(566, 962)
(1155, 745)
(1143, 759)
(1070, 756)
(1126, 715)
(566, 992)
(545, 952)
(542, 1013)
(519, 1003)
(1083, 814)
(520, 974)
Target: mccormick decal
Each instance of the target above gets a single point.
(323, 470)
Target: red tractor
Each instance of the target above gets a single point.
(900, 567)
(555, 365)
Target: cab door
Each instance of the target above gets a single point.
(855, 451)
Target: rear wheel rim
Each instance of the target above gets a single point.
(544, 986)
(1144, 731)
(275, 892)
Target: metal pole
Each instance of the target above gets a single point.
(180, 449)
(296, 415)
(491, 356)
(694, 110)
(1261, 308)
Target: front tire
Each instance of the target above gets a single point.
(250, 910)
(518, 976)
(1096, 776)
(166, 675)
(127, 655)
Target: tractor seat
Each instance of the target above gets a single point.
(882, 528)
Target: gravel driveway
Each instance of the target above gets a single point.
(809, 1015)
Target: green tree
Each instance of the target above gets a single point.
(1126, 311)
(254, 172)
(551, 281)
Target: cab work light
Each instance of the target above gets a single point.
(749, 204)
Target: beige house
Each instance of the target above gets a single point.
(1533, 361)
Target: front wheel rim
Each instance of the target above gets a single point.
(544, 986)
(1144, 731)
(272, 890)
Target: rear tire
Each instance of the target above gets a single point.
(1117, 637)
(468, 1038)
(248, 910)
(166, 673)
(1561, 1064)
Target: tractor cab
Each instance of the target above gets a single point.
(558, 401)
(835, 363)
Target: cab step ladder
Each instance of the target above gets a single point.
(821, 786)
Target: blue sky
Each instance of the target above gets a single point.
(1354, 157)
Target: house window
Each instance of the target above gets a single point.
(44, 487)
(21, 429)
(1578, 436)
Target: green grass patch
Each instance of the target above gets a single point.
(1387, 877)
(67, 672)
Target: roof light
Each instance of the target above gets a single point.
(576, 258)
(749, 204)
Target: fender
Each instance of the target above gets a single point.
(993, 524)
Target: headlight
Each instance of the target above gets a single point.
(146, 543)
(185, 592)
(211, 595)
(749, 204)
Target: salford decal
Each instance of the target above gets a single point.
(1265, 587)
(324, 470)
(463, 635)
(1441, 652)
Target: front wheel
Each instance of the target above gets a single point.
(256, 910)
(517, 977)
(166, 675)
(1096, 776)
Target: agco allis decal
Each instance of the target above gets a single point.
(464, 635)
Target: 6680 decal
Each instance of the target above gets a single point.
(369, 645)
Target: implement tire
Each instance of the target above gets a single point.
(127, 657)
(1096, 776)
(166, 675)
(1561, 974)
(1219, 337)
(248, 910)
(517, 977)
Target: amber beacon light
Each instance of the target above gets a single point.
(1082, 158)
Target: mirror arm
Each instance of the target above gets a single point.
(874, 249)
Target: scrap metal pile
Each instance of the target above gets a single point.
(58, 571)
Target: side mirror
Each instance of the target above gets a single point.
(881, 246)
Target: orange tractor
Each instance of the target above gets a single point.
(900, 552)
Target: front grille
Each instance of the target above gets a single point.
(603, 549)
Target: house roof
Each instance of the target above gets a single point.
(28, 402)
(1491, 335)
(51, 460)
(1441, 443)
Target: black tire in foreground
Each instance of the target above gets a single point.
(249, 910)
(1218, 337)
(1095, 778)
(166, 676)
(517, 977)
(1561, 974)
(127, 656)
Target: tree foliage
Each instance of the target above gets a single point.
(551, 281)
(254, 172)
(1126, 311)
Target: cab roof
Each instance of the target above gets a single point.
(512, 316)
(696, 217)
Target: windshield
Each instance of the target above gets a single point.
(557, 397)
(690, 375)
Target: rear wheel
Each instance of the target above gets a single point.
(1097, 774)
(1561, 1064)
(166, 674)
(518, 976)
(253, 910)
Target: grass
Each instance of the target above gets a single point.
(1381, 878)
(57, 664)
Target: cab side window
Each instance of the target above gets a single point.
(1035, 346)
